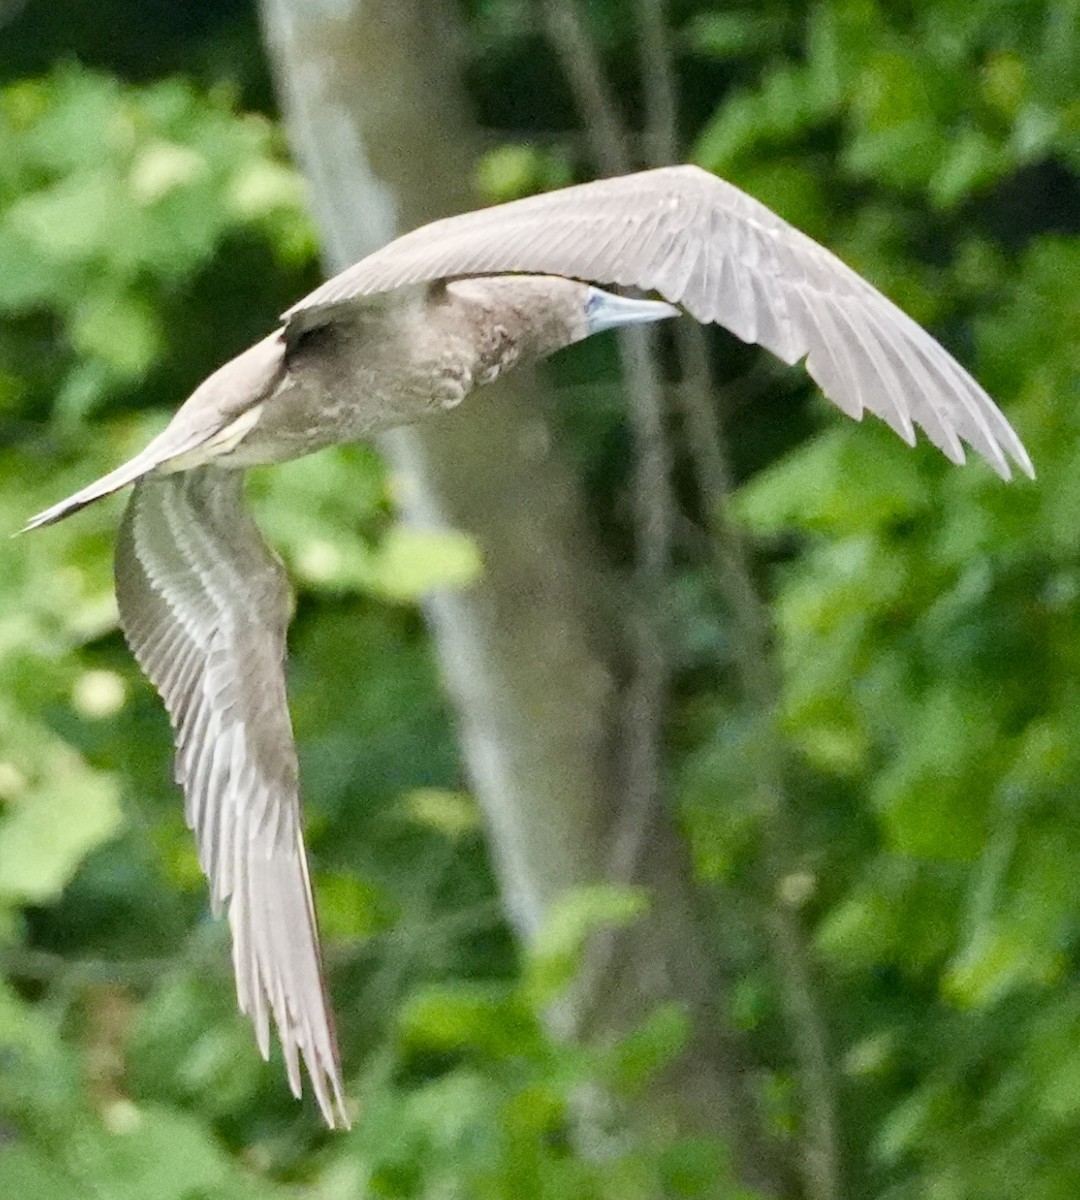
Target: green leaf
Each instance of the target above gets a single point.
(733, 34)
(844, 481)
(555, 954)
(485, 1018)
(700, 1166)
(352, 908)
(908, 1123)
(513, 170)
(120, 330)
(50, 827)
(28, 1173)
(971, 162)
(998, 960)
(929, 798)
(162, 166)
(411, 562)
(42, 1082)
(156, 1152)
(451, 813)
(898, 137)
(639, 1056)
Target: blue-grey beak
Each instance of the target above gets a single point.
(604, 310)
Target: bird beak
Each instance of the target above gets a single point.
(604, 310)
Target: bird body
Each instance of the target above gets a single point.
(348, 371)
(404, 335)
(394, 359)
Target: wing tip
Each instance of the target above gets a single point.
(1022, 459)
(1004, 456)
(331, 1100)
(1004, 460)
(1008, 470)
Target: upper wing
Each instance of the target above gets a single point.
(705, 245)
(205, 605)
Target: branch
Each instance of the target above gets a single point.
(658, 76)
(567, 32)
(653, 498)
(821, 1160)
(655, 505)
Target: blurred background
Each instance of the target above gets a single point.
(774, 888)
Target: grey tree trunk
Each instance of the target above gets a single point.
(534, 655)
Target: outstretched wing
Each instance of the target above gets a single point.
(705, 245)
(204, 605)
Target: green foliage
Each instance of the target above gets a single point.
(501, 1121)
(556, 953)
(926, 628)
(110, 198)
(927, 633)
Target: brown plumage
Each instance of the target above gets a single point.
(406, 333)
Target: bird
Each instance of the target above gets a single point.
(404, 335)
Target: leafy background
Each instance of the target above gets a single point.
(928, 632)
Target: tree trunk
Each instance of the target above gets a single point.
(534, 655)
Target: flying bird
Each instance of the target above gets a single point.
(405, 334)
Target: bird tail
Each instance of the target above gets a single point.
(221, 409)
(154, 455)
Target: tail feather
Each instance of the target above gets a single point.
(160, 450)
(105, 486)
(228, 400)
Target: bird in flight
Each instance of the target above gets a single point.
(407, 333)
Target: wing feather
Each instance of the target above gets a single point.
(204, 605)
